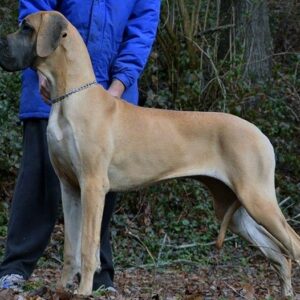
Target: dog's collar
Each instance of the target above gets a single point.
(73, 91)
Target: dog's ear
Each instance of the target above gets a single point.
(51, 29)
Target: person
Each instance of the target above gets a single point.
(119, 36)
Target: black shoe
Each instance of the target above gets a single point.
(103, 280)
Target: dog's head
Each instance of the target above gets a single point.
(39, 35)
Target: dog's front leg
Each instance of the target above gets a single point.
(93, 193)
(72, 217)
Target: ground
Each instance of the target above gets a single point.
(242, 275)
(224, 281)
(237, 271)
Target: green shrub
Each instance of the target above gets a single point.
(10, 138)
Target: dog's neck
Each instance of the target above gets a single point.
(73, 71)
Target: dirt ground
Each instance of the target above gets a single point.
(236, 272)
(230, 280)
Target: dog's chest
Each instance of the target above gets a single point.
(62, 149)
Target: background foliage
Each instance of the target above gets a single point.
(198, 63)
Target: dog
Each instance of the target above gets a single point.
(99, 143)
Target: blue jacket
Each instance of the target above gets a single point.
(118, 34)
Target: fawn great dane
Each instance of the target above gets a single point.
(98, 143)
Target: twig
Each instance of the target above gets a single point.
(161, 248)
(222, 87)
(272, 55)
(214, 29)
(199, 244)
(293, 219)
(143, 244)
(227, 239)
(196, 16)
(292, 111)
(284, 200)
(166, 263)
(204, 28)
(168, 15)
(233, 289)
(217, 25)
(297, 216)
(56, 259)
(233, 33)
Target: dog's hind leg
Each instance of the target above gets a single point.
(93, 191)
(264, 209)
(244, 225)
(72, 219)
(251, 176)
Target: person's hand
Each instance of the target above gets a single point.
(116, 88)
(44, 87)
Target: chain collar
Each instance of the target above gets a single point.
(73, 91)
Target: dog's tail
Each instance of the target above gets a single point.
(225, 223)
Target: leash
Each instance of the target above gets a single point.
(73, 91)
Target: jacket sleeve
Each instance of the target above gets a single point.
(138, 38)
(27, 7)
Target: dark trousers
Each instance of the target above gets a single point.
(34, 210)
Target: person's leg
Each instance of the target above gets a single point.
(34, 205)
(106, 276)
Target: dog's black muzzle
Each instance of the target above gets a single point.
(6, 60)
(16, 53)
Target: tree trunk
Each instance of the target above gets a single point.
(254, 38)
(225, 19)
